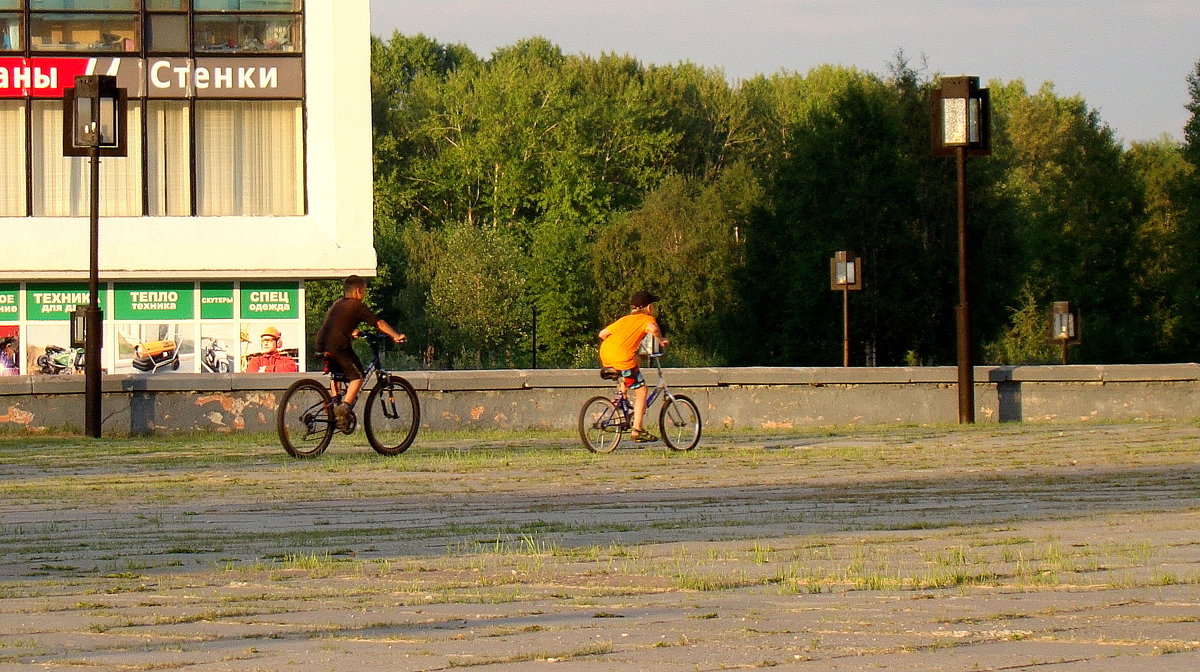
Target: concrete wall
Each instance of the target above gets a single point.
(758, 397)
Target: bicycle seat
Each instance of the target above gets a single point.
(609, 373)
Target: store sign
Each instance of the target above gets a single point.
(224, 78)
(216, 300)
(55, 301)
(159, 301)
(230, 77)
(273, 300)
(47, 77)
(10, 303)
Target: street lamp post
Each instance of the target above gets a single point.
(961, 116)
(845, 274)
(94, 114)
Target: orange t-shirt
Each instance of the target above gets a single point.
(619, 350)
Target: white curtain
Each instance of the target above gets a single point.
(249, 158)
(168, 171)
(61, 184)
(12, 158)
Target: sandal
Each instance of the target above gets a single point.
(642, 436)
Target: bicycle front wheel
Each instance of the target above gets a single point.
(679, 422)
(304, 419)
(392, 416)
(600, 425)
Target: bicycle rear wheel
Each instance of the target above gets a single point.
(679, 422)
(392, 416)
(304, 419)
(600, 425)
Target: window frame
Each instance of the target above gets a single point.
(145, 10)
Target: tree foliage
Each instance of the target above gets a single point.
(533, 180)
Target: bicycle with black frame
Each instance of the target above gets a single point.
(603, 421)
(391, 415)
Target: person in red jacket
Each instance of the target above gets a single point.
(619, 343)
(271, 359)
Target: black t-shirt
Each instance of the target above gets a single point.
(343, 317)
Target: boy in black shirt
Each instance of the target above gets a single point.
(333, 339)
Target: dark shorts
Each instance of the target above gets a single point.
(633, 378)
(345, 362)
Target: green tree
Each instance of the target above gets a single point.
(1079, 207)
(477, 295)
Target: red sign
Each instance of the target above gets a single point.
(41, 77)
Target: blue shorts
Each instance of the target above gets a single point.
(632, 378)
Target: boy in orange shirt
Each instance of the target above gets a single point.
(618, 349)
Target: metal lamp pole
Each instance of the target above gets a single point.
(966, 367)
(961, 127)
(94, 113)
(93, 319)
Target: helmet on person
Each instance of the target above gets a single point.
(273, 333)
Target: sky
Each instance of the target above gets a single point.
(1128, 60)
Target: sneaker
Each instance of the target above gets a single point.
(341, 417)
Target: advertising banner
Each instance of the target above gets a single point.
(270, 300)
(216, 300)
(10, 303)
(158, 301)
(54, 301)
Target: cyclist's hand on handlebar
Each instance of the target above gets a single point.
(356, 334)
(401, 338)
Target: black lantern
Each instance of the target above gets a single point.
(961, 117)
(94, 114)
(1064, 327)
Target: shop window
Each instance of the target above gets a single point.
(168, 168)
(10, 4)
(83, 5)
(247, 33)
(84, 32)
(12, 159)
(249, 158)
(165, 5)
(167, 33)
(10, 32)
(61, 183)
(246, 5)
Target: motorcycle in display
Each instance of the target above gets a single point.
(214, 358)
(58, 359)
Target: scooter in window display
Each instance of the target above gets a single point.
(214, 358)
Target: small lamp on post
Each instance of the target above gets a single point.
(1064, 327)
(845, 274)
(961, 126)
(94, 125)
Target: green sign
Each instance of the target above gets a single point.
(157, 301)
(10, 303)
(54, 301)
(216, 300)
(270, 300)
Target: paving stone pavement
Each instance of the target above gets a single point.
(1055, 548)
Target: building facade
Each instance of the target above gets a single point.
(248, 172)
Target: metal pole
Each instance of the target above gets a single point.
(966, 371)
(535, 337)
(846, 326)
(92, 321)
